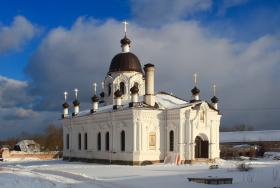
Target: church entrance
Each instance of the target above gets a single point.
(201, 148)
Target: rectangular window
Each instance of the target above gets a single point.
(152, 141)
(80, 141)
(85, 141)
(67, 141)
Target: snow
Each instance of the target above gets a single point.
(168, 101)
(164, 100)
(60, 174)
(250, 136)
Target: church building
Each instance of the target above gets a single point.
(130, 123)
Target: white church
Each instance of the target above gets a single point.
(131, 124)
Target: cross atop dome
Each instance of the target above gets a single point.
(94, 85)
(76, 93)
(125, 24)
(214, 89)
(65, 95)
(125, 42)
(195, 78)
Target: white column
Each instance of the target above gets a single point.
(76, 109)
(125, 48)
(118, 101)
(95, 106)
(65, 112)
(149, 97)
(134, 97)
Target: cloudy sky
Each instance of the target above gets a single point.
(52, 46)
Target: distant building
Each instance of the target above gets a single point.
(257, 143)
(27, 146)
(131, 124)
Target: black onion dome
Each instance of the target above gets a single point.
(118, 93)
(134, 89)
(148, 65)
(102, 94)
(65, 105)
(125, 62)
(94, 98)
(214, 99)
(76, 102)
(195, 91)
(125, 41)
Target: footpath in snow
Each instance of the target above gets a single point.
(60, 174)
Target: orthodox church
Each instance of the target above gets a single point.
(131, 124)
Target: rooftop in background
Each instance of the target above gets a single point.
(250, 136)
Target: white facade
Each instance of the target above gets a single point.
(141, 125)
(154, 129)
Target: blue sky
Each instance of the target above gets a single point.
(232, 42)
(246, 21)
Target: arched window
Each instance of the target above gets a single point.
(99, 141)
(107, 141)
(171, 141)
(85, 141)
(67, 141)
(122, 87)
(122, 141)
(79, 141)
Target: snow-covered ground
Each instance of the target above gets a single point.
(62, 174)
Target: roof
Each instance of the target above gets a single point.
(250, 136)
(168, 101)
(164, 101)
(125, 62)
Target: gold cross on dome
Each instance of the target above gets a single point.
(65, 95)
(76, 93)
(195, 78)
(102, 85)
(94, 87)
(125, 25)
(214, 89)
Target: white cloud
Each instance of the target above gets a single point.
(14, 93)
(157, 12)
(14, 36)
(246, 73)
(15, 120)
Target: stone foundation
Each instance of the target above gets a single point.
(105, 161)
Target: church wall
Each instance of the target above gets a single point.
(113, 123)
(146, 133)
(173, 124)
(206, 128)
(149, 129)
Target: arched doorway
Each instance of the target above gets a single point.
(201, 147)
